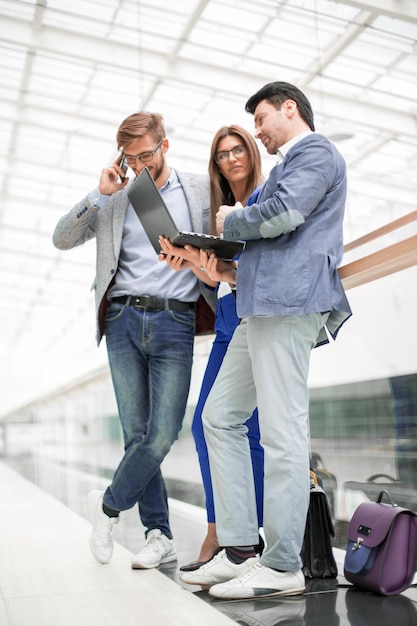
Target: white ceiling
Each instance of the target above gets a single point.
(71, 70)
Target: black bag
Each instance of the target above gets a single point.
(326, 479)
(317, 552)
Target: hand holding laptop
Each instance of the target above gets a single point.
(189, 254)
(217, 269)
(204, 263)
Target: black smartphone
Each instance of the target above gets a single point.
(124, 166)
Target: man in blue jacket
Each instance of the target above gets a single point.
(289, 296)
(147, 312)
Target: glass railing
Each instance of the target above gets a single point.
(363, 394)
(363, 387)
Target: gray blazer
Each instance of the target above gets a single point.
(86, 221)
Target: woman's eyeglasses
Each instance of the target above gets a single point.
(223, 156)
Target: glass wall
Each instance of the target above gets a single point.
(363, 414)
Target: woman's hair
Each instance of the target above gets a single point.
(139, 124)
(220, 191)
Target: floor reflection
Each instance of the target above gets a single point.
(325, 603)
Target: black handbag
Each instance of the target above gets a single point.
(317, 552)
(326, 479)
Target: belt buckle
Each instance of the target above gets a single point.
(138, 302)
(144, 302)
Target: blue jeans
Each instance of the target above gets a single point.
(150, 356)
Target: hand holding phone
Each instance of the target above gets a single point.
(113, 178)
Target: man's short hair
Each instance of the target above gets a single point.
(139, 124)
(277, 93)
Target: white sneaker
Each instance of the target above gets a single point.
(101, 537)
(218, 570)
(158, 549)
(260, 582)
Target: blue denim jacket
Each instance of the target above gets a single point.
(294, 238)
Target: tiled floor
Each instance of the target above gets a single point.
(48, 578)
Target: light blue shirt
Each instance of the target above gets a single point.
(139, 271)
(286, 146)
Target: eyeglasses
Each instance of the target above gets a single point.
(144, 157)
(223, 156)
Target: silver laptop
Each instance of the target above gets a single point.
(157, 220)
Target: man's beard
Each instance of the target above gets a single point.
(157, 170)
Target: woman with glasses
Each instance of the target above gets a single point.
(235, 176)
